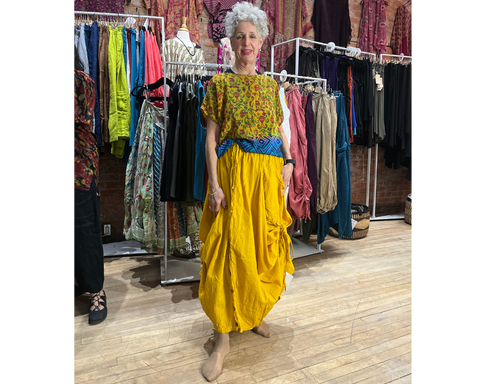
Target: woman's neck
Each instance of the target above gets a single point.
(244, 69)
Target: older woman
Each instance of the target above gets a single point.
(246, 250)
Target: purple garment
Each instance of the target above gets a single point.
(218, 10)
(310, 130)
(329, 71)
(107, 6)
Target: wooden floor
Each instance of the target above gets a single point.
(346, 318)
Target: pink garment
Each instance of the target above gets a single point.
(153, 66)
(300, 187)
(373, 27)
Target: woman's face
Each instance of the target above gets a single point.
(246, 43)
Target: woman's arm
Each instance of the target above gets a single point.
(216, 196)
(287, 169)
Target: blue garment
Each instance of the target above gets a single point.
(201, 132)
(266, 146)
(92, 37)
(141, 61)
(341, 215)
(134, 111)
(137, 80)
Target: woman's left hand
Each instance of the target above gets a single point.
(287, 171)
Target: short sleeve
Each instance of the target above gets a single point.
(212, 106)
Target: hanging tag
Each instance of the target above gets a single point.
(146, 23)
(354, 223)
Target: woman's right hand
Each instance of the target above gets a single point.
(215, 200)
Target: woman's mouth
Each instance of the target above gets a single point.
(247, 51)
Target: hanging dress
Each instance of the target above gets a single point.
(246, 249)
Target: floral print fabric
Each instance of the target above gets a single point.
(247, 109)
(86, 151)
(173, 11)
(144, 219)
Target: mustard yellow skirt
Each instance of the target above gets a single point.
(246, 248)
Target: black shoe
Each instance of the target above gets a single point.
(97, 315)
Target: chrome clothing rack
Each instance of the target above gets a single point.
(401, 57)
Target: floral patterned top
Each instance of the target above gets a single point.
(248, 110)
(86, 151)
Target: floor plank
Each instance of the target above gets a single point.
(346, 318)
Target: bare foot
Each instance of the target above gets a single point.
(214, 365)
(262, 330)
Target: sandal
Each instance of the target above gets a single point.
(98, 308)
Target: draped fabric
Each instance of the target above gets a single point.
(331, 22)
(401, 41)
(373, 27)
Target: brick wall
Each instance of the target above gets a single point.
(392, 186)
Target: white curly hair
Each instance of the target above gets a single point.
(246, 12)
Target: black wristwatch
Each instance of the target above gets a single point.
(290, 161)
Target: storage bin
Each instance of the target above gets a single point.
(361, 214)
(408, 209)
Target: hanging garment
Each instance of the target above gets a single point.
(176, 51)
(134, 106)
(286, 125)
(286, 20)
(189, 143)
(92, 35)
(157, 8)
(82, 49)
(311, 134)
(326, 124)
(191, 9)
(300, 187)
(331, 22)
(166, 184)
(139, 200)
(201, 133)
(379, 117)
(217, 10)
(104, 83)
(397, 115)
(329, 65)
(401, 41)
(119, 107)
(153, 66)
(108, 6)
(176, 192)
(373, 27)
(144, 212)
(340, 218)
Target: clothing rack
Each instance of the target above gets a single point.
(217, 66)
(324, 89)
(121, 15)
(185, 270)
(314, 79)
(199, 64)
(297, 48)
(373, 217)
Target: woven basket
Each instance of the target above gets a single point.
(408, 210)
(363, 222)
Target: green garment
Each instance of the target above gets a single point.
(119, 116)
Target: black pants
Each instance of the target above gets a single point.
(88, 241)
